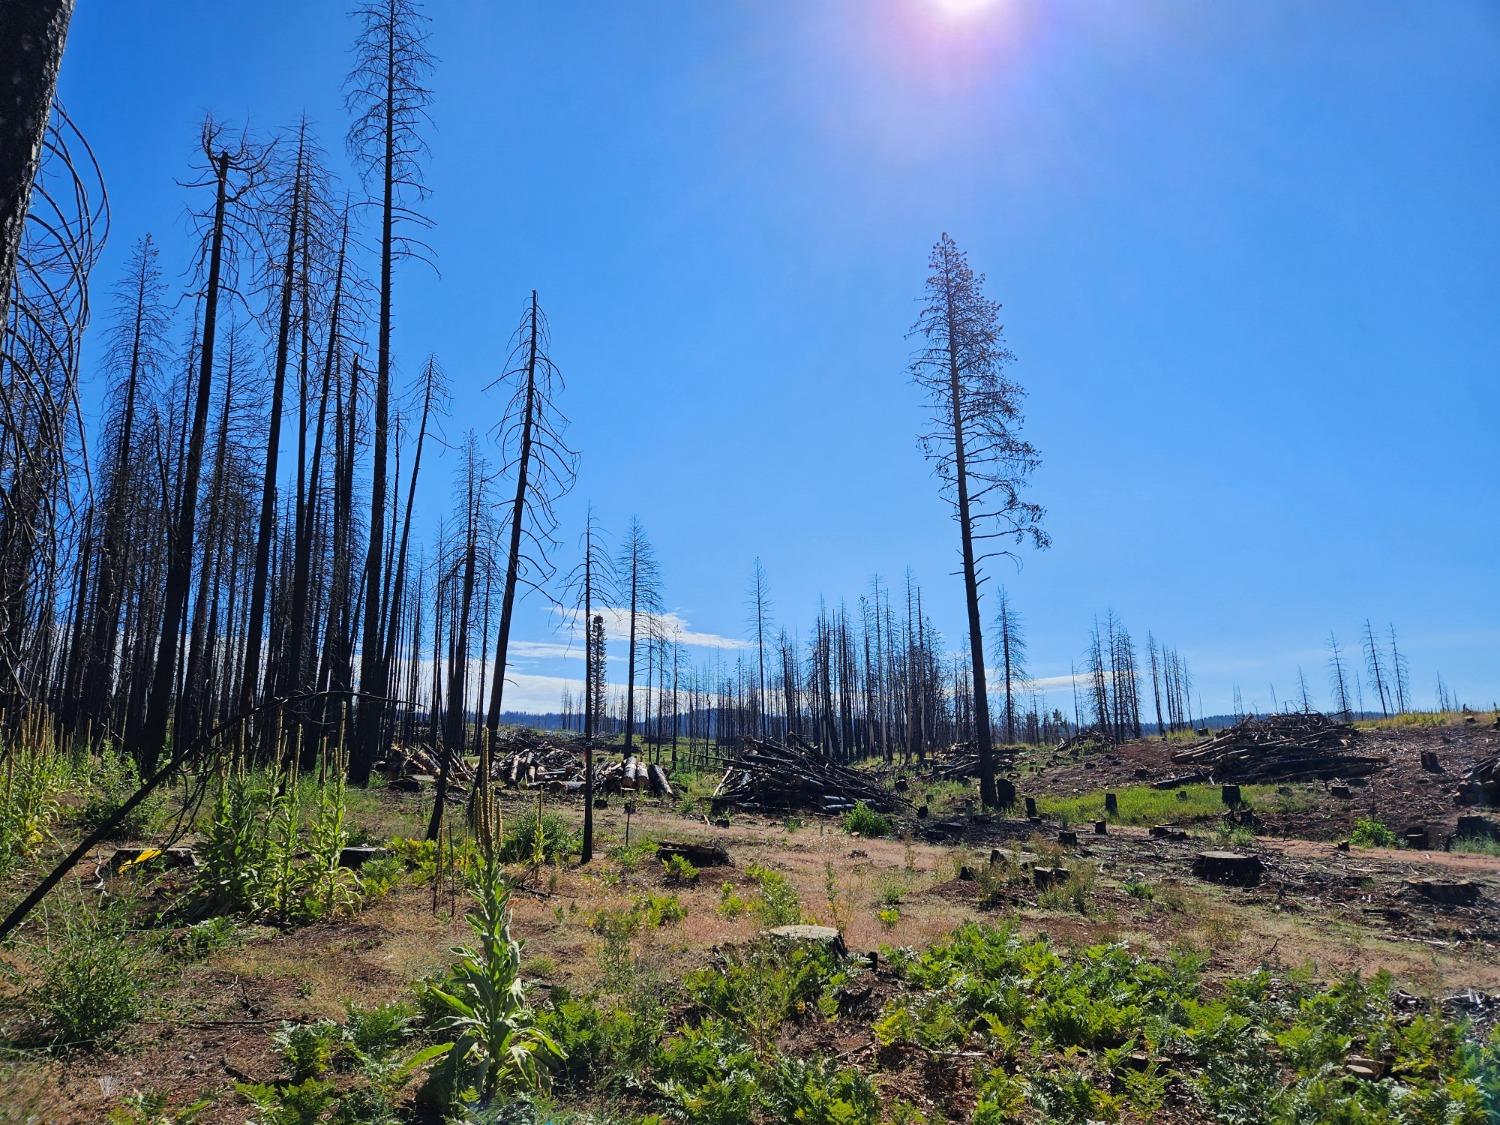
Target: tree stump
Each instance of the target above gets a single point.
(1067, 836)
(1338, 791)
(1418, 838)
(1449, 892)
(1101, 828)
(1111, 804)
(1044, 877)
(1168, 832)
(1030, 808)
(1228, 867)
(356, 856)
(1472, 827)
(1230, 795)
(816, 935)
(699, 855)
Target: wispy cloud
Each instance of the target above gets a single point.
(671, 625)
(546, 650)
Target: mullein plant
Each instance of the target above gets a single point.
(497, 1045)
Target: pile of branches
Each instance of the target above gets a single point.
(1297, 746)
(769, 775)
(1088, 740)
(961, 761)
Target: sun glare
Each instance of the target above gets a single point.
(962, 7)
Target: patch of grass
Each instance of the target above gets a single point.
(1142, 805)
(779, 903)
(1477, 845)
(93, 975)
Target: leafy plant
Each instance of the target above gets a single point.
(862, 820)
(778, 904)
(679, 869)
(1368, 833)
(542, 838)
(498, 1043)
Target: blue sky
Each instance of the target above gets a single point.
(1249, 257)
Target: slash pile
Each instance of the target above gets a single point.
(1298, 746)
(962, 761)
(769, 775)
(559, 769)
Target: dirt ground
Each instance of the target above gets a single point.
(1339, 911)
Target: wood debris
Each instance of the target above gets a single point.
(768, 775)
(1296, 746)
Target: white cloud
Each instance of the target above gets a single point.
(546, 650)
(672, 625)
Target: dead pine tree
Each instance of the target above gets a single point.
(246, 162)
(759, 604)
(1377, 671)
(387, 93)
(1338, 679)
(639, 578)
(1010, 647)
(591, 584)
(32, 34)
(975, 446)
(530, 435)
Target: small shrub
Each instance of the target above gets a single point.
(1137, 888)
(660, 910)
(889, 916)
(93, 977)
(779, 903)
(731, 903)
(679, 869)
(1368, 833)
(209, 936)
(541, 838)
(379, 876)
(862, 820)
(307, 1049)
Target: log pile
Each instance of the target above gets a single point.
(559, 769)
(768, 775)
(1481, 785)
(422, 761)
(1298, 746)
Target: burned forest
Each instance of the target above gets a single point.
(540, 582)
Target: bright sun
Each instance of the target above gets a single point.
(963, 7)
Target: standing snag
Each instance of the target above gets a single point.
(974, 445)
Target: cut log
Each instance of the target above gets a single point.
(1228, 867)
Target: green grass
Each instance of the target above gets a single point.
(1424, 719)
(1477, 845)
(1143, 805)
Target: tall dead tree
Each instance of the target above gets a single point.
(387, 93)
(591, 584)
(639, 577)
(975, 445)
(1010, 646)
(530, 434)
(137, 352)
(1378, 673)
(247, 161)
(759, 606)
